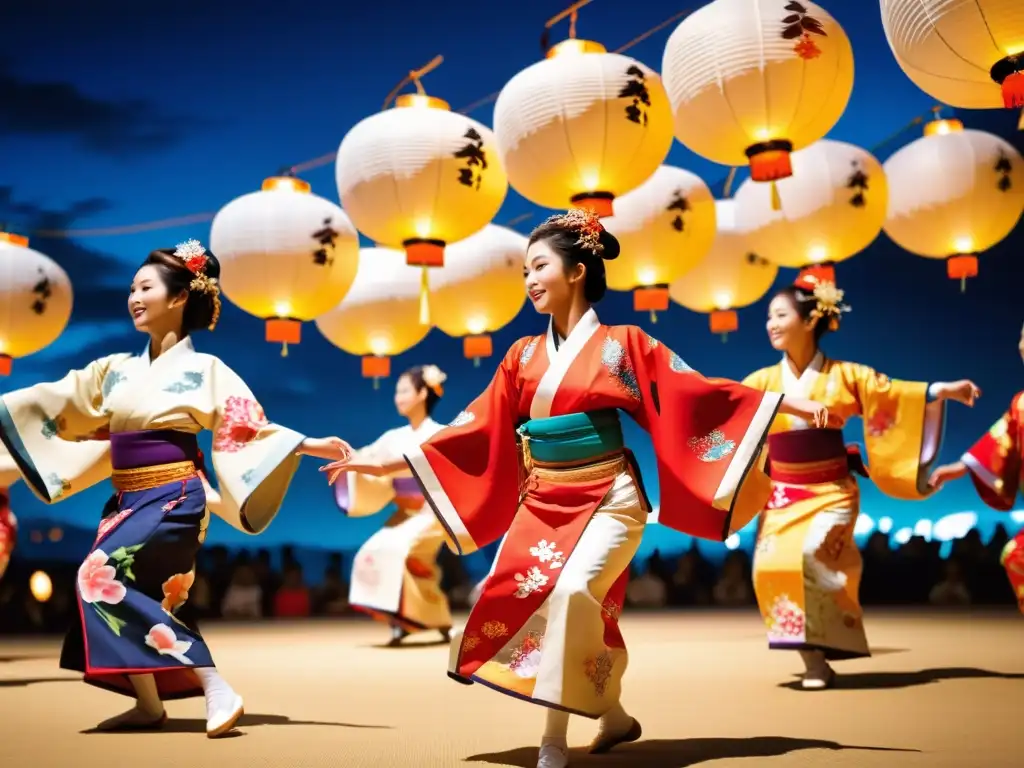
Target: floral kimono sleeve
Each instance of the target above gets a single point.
(359, 495)
(48, 429)
(254, 459)
(902, 429)
(708, 436)
(995, 460)
(469, 472)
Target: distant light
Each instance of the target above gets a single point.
(923, 528)
(56, 534)
(902, 536)
(36, 537)
(954, 526)
(864, 525)
(733, 541)
(41, 586)
(884, 524)
(1017, 516)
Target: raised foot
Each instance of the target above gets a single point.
(608, 741)
(223, 718)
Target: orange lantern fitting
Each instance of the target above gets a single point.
(961, 267)
(724, 322)
(376, 367)
(824, 272)
(283, 331)
(5, 365)
(421, 252)
(477, 346)
(1009, 73)
(651, 298)
(601, 203)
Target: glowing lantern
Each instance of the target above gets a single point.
(751, 81)
(731, 276)
(286, 255)
(35, 300)
(481, 289)
(833, 207)
(40, 586)
(8, 522)
(965, 54)
(953, 194)
(379, 318)
(583, 126)
(419, 176)
(666, 227)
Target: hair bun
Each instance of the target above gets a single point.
(609, 245)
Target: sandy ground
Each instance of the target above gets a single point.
(940, 690)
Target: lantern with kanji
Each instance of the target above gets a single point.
(419, 176)
(379, 317)
(35, 300)
(751, 81)
(582, 127)
(730, 277)
(833, 207)
(953, 194)
(964, 54)
(666, 227)
(286, 255)
(481, 288)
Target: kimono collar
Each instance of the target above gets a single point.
(800, 386)
(183, 346)
(584, 329)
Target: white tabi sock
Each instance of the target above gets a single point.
(818, 670)
(222, 703)
(554, 750)
(615, 721)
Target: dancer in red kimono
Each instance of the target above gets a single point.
(996, 466)
(539, 458)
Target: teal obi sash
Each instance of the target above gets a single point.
(573, 438)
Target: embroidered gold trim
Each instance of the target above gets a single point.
(810, 466)
(145, 478)
(600, 470)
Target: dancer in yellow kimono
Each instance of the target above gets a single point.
(395, 576)
(134, 419)
(807, 568)
(539, 458)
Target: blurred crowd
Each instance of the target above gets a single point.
(252, 586)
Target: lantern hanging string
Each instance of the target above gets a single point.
(573, 13)
(414, 78)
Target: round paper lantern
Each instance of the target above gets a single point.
(419, 176)
(35, 300)
(379, 317)
(953, 194)
(965, 54)
(41, 586)
(730, 277)
(666, 227)
(832, 208)
(286, 255)
(481, 289)
(582, 127)
(751, 81)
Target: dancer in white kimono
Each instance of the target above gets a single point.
(395, 577)
(134, 419)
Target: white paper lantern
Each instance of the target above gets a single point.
(582, 127)
(832, 207)
(665, 228)
(35, 300)
(481, 289)
(730, 277)
(286, 255)
(753, 80)
(965, 54)
(953, 194)
(379, 317)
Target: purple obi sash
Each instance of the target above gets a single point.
(406, 487)
(807, 456)
(153, 447)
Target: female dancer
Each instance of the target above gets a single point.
(996, 466)
(806, 567)
(395, 576)
(9, 475)
(134, 419)
(570, 500)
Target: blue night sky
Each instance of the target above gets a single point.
(120, 114)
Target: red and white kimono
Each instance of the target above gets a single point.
(546, 626)
(996, 465)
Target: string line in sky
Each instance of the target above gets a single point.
(326, 159)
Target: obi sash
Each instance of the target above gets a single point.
(151, 457)
(575, 438)
(807, 456)
(407, 493)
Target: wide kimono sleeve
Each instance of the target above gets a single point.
(902, 429)
(9, 472)
(48, 430)
(708, 435)
(359, 495)
(469, 471)
(995, 460)
(254, 459)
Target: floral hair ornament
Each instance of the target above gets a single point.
(586, 224)
(434, 378)
(829, 299)
(193, 255)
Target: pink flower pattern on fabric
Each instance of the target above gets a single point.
(240, 424)
(97, 581)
